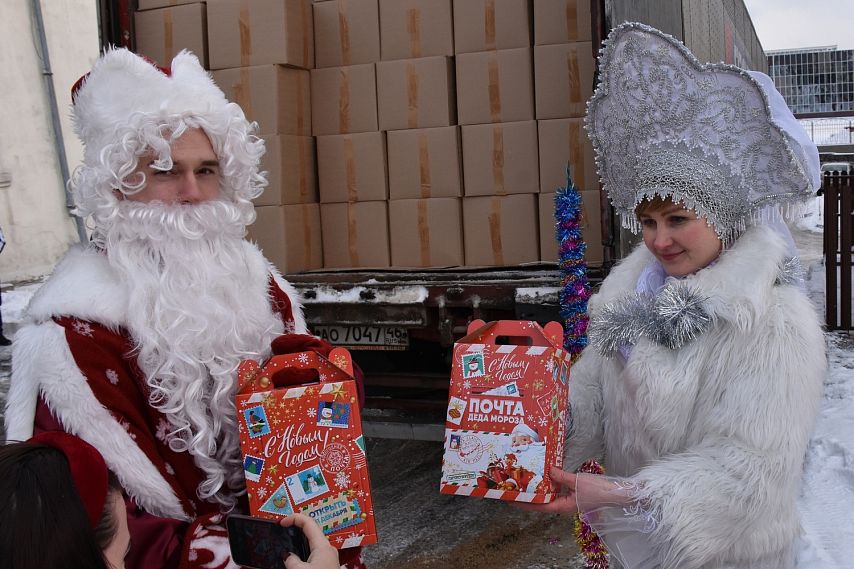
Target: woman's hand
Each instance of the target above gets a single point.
(579, 492)
(323, 555)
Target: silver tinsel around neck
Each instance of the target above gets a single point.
(672, 318)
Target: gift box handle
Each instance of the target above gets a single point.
(516, 329)
(294, 369)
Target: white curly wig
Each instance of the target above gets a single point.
(126, 106)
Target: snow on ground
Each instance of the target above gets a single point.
(827, 499)
(813, 219)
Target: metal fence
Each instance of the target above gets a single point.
(830, 132)
(838, 248)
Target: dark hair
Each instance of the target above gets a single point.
(43, 522)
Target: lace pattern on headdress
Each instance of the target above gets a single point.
(663, 124)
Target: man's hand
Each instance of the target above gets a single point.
(293, 343)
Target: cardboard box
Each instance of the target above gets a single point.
(278, 98)
(352, 167)
(426, 232)
(564, 79)
(162, 33)
(303, 448)
(501, 230)
(355, 235)
(289, 236)
(481, 25)
(591, 227)
(149, 4)
(243, 33)
(561, 21)
(506, 420)
(424, 163)
(565, 141)
(344, 99)
(500, 159)
(346, 32)
(495, 86)
(416, 93)
(415, 28)
(290, 165)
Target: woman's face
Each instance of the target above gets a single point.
(117, 550)
(682, 242)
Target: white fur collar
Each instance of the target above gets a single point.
(84, 286)
(743, 275)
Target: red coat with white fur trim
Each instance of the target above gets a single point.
(73, 370)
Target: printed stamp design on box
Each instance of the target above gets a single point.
(278, 503)
(456, 410)
(507, 390)
(331, 414)
(471, 449)
(253, 467)
(256, 421)
(473, 365)
(306, 484)
(335, 458)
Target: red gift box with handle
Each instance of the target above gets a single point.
(303, 448)
(507, 411)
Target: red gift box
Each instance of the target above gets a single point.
(506, 420)
(303, 449)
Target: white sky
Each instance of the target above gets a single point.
(784, 24)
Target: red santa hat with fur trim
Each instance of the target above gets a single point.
(123, 85)
(127, 105)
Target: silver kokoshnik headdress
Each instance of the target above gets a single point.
(715, 137)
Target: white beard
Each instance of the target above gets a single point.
(195, 313)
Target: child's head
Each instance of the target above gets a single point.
(70, 516)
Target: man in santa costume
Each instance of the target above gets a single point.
(134, 342)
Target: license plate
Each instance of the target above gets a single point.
(365, 337)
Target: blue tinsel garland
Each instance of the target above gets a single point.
(575, 290)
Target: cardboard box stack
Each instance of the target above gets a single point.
(563, 82)
(351, 150)
(418, 111)
(421, 133)
(163, 28)
(495, 100)
(260, 53)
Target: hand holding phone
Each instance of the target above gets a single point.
(323, 555)
(265, 544)
(269, 544)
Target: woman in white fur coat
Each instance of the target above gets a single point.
(704, 374)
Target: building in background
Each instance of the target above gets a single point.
(714, 30)
(35, 105)
(815, 80)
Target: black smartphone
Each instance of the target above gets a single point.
(264, 544)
